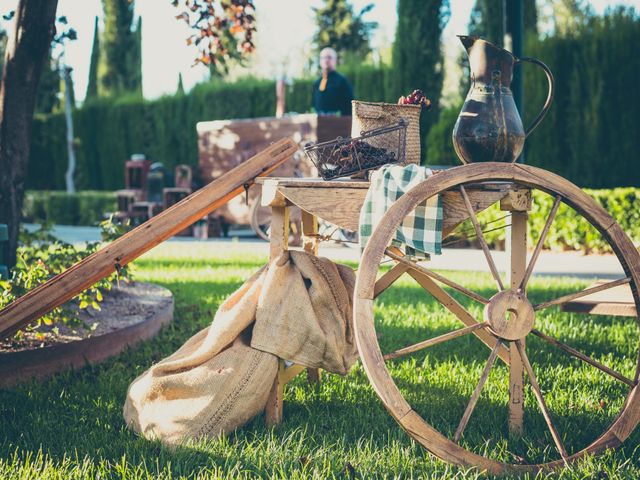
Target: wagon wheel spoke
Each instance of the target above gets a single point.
(583, 357)
(582, 293)
(450, 283)
(540, 244)
(476, 393)
(481, 239)
(386, 280)
(540, 399)
(434, 341)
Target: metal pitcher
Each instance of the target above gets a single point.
(489, 128)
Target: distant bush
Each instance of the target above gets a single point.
(109, 130)
(82, 208)
(569, 231)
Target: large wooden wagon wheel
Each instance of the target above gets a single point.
(502, 319)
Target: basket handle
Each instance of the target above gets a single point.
(369, 111)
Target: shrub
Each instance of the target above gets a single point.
(41, 257)
(569, 231)
(82, 208)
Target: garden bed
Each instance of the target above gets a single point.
(128, 315)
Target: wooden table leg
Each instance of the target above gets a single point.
(278, 243)
(309, 232)
(273, 409)
(310, 244)
(518, 257)
(279, 237)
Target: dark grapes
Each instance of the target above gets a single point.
(416, 97)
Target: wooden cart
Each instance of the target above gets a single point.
(509, 316)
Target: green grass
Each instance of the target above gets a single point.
(71, 425)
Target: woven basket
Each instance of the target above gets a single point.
(370, 115)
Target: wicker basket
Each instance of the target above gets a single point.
(345, 156)
(369, 115)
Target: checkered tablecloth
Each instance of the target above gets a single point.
(421, 230)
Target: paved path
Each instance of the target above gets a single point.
(549, 263)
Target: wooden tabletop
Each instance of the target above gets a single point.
(313, 182)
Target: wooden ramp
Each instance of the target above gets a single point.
(617, 301)
(130, 246)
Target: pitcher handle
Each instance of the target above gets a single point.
(547, 103)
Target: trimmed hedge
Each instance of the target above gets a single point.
(569, 230)
(83, 208)
(109, 130)
(590, 135)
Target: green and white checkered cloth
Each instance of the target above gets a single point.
(421, 230)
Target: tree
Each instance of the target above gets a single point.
(569, 15)
(26, 55)
(489, 19)
(135, 60)
(48, 94)
(92, 86)
(221, 32)
(343, 30)
(118, 50)
(180, 89)
(417, 56)
(3, 46)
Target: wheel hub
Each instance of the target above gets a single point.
(510, 315)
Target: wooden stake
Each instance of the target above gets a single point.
(130, 246)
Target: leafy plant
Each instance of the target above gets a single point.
(42, 256)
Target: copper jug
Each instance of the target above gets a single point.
(489, 128)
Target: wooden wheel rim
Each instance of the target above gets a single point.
(369, 349)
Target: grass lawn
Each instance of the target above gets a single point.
(71, 426)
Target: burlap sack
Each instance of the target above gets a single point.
(221, 377)
(305, 312)
(213, 384)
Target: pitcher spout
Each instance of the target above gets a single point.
(468, 41)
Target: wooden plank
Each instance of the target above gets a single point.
(130, 246)
(340, 206)
(273, 408)
(617, 301)
(279, 235)
(314, 182)
(291, 372)
(518, 254)
(309, 232)
(387, 279)
(459, 311)
(310, 245)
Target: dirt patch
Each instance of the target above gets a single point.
(122, 307)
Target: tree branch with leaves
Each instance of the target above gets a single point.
(222, 30)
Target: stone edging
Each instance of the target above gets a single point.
(16, 367)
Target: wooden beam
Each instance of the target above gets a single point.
(130, 246)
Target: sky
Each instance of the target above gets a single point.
(283, 40)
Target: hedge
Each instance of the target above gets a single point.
(569, 231)
(109, 130)
(591, 133)
(83, 208)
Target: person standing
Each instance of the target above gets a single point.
(332, 92)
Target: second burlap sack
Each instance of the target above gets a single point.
(213, 384)
(298, 309)
(304, 313)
